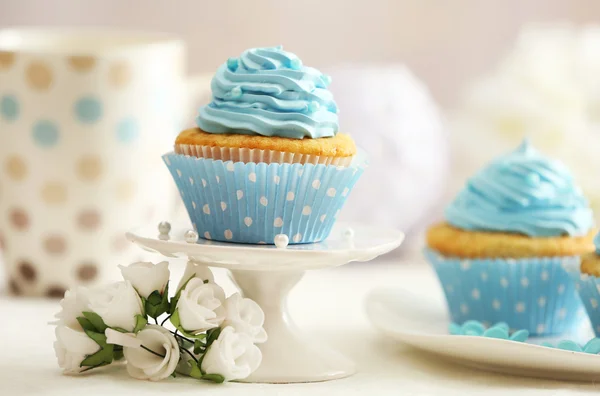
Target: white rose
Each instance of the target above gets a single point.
(245, 316)
(74, 303)
(147, 277)
(71, 347)
(141, 363)
(194, 270)
(232, 355)
(117, 305)
(200, 306)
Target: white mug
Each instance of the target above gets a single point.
(85, 115)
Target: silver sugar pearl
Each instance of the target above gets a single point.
(164, 227)
(191, 236)
(281, 241)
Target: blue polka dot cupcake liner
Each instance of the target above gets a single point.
(536, 294)
(253, 202)
(588, 287)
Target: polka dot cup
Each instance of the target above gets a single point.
(588, 287)
(253, 202)
(85, 116)
(535, 294)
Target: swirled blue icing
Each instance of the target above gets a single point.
(522, 192)
(267, 91)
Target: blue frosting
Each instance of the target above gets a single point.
(597, 243)
(267, 91)
(522, 192)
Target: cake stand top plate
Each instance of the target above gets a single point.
(347, 242)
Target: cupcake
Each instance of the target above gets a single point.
(266, 157)
(510, 233)
(587, 283)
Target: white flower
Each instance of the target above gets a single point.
(74, 303)
(194, 270)
(232, 355)
(141, 363)
(117, 305)
(147, 277)
(200, 306)
(245, 316)
(71, 347)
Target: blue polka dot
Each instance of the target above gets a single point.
(45, 133)
(9, 108)
(88, 109)
(127, 130)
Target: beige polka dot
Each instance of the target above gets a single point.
(16, 168)
(120, 243)
(89, 168)
(27, 271)
(119, 74)
(55, 245)
(6, 59)
(88, 219)
(125, 190)
(39, 75)
(55, 291)
(87, 271)
(54, 193)
(19, 219)
(82, 63)
(14, 287)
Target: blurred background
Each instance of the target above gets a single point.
(430, 89)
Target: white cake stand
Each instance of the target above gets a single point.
(266, 274)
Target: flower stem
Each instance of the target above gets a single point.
(191, 354)
(163, 322)
(152, 352)
(156, 320)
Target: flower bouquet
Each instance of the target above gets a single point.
(197, 332)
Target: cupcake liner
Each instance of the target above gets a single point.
(588, 287)
(255, 155)
(254, 202)
(536, 294)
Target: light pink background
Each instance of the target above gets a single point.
(446, 43)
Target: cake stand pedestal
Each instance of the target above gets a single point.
(266, 274)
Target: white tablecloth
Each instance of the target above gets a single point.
(328, 304)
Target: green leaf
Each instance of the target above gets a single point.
(155, 298)
(196, 373)
(86, 324)
(175, 321)
(212, 335)
(219, 379)
(157, 304)
(96, 320)
(199, 347)
(99, 338)
(140, 323)
(118, 354)
(120, 330)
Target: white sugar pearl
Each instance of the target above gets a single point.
(281, 241)
(191, 236)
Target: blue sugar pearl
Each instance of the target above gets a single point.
(495, 332)
(593, 346)
(313, 106)
(295, 64)
(236, 92)
(547, 344)
(519, 335)
(326, 79)
(502, 325)
(232, 64)
(471, 333)
(454, 329)
(533, 179)
(569, 345)
(473, 326)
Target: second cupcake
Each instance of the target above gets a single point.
(266, 157)
(501, 253)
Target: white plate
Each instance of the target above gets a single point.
(422, 322)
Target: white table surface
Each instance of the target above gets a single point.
(328, 303)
